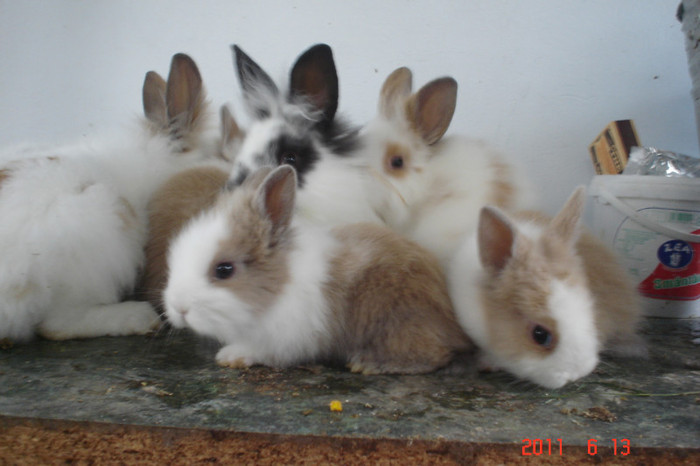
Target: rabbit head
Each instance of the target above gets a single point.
(400, 141)
(537, 316)
(229, 264)
(297, 128)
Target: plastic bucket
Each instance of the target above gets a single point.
(653, 224)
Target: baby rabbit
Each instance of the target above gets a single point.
(541, 298)
(300, 128)
(74, 218)
(426, 187)
(279, 290)
(177, 201)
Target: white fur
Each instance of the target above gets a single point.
(72, 234)
(286, 333)
(571, 306)
(335, 189)
(437, 202)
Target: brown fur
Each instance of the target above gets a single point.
(392, 150)
(502, 191)
(172, 206)
(516, 293)
(429, 111)
(394, 90)
(516, 298)
(390, 299)
(4, 174)
(176, 107)
(617, 301)
(154, 100)
(257, 245)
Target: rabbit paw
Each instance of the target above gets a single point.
(233, 356)
(119, 319)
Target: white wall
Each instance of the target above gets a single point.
(538, 79)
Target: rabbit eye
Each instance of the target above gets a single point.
(542, 336)
(288, 158)
(396, 161)
(224, 270)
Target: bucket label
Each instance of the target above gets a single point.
(675, 254)
(676, 277)
(667, 269)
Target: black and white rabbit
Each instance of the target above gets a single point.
(299, 127)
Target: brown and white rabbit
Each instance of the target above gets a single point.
(541, 298)
(425, 186)
(279, 290)
(180, 199)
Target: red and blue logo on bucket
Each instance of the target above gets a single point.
(677, 276)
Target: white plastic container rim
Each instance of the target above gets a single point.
(647, 187)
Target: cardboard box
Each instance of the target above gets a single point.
(611, 149)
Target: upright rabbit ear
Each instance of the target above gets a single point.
(258, 87)
(275, 198)
(184, 93)
(496, 238)
(430, 110)
(395, 91)
(314, 77)
(154, 99)
(566, 224)
(230, 131)
(231, 135)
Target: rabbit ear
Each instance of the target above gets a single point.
(154, 99)
(566, 224)
(395, 90)
(275, 198)
(496, 238)
(314, 77)
(430, 110)
(258, 87)
(184, 93)
(230, 131)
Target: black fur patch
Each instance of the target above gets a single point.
(298, 152)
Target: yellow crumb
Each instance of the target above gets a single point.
(336, 406)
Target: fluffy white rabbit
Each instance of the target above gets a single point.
(74, 217)
(425, 186)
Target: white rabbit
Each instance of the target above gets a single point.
(279, 290)
(74, 217)
(300, 128)
(426, 187)
(541, 298)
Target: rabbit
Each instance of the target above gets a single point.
(74, 217)
(279, 290)
(301, 129)
(542, 298)
(177, 201)
(425, 186)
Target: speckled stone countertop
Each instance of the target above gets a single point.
(172, 380)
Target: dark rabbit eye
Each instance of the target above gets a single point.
(542, 336)
(224, 270)
(396, 161)
(289, 159)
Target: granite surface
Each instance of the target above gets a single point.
(172, 380)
